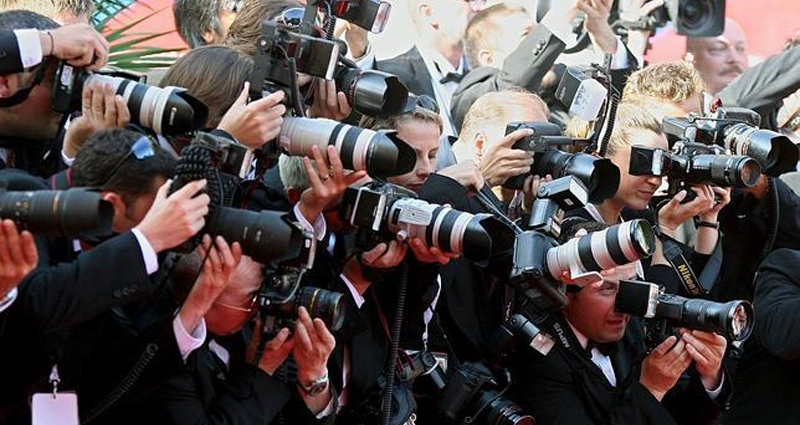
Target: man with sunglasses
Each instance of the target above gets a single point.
(62, 309)
(29, 128)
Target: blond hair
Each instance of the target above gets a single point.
(674, 81)
(482, 31)
(395, 121)
(497, 108)
(631, 118)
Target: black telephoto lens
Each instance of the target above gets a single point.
(265, 236)
(733, 320)
(372, 93)
(723, 170)
(501, 411)
(70, 213)
(322, 304)
(775, 152)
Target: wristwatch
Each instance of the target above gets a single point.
(316, 386)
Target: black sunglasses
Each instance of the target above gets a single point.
(142, 148)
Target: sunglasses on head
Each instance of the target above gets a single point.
(144, 147)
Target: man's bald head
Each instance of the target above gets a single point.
(719, 59)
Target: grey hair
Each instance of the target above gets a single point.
(293, 174)
(25, 19)
(193, 18)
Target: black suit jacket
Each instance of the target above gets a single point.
(10, 60)
(411, 70)
(566, 387)
(525, 67)
(206, 392)
(768, 376)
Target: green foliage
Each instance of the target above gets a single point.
(128, 49)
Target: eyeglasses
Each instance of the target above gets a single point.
(142, 148)
(249, 309)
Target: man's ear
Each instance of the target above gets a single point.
(425, 14)
(8, 85)
(479, 141)
(689, 57)
(486, 58)
(120, 209)
(210, 37)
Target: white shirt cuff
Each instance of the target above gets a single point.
(9, 299)
(713, 394)
(66, 160)
(187, 342)
(319, 228)
(620, 58)
(357, 298)
(148, 253)
(367, 61)
(30, 47)
(328, 410)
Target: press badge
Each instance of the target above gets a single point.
(55, 407)
(59, 408)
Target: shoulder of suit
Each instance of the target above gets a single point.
(784, 260)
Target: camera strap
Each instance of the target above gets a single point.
(694, 287)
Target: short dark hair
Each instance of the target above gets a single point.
(193, 18)
(481, 33)
(51, 8)
(25, 19)
(245, 29)
(104, 150)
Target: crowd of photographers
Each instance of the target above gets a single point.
(516, 221)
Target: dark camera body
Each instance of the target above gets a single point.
(600, 175)
(269, 237)
(281, 296)
(281, 54)
(664, 313)
(472, 396)
(169, 111)
(385, 212)
(736, 130)
(693, 18)
(72, 213)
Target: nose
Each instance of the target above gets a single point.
(424, 168)
(655, 180)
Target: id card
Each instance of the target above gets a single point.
(61, 409)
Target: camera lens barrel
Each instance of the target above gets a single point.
(617, 245)
(381, 154)
(167, 111)
(265, 236)
(372, 93)
(447, 229)
(733, 320)
(69, 213)
(775, 152)
(322, 304)
(722, 170)
(600, 175)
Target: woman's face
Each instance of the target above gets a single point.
(424, 138)
(636, 191)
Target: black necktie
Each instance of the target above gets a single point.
(606, 348)
(451, 77)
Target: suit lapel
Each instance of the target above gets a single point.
(420, 74)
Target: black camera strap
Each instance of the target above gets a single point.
(694, 287)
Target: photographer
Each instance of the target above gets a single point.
(766, 382)
(28, 127)
(222, 382)
(635, 127)
(77, 282)
(594, 374)
(474, 299)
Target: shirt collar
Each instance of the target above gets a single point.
(439, 62)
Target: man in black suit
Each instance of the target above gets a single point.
(28, 127)
(593, 374)
(768, 377)
(76, 289)
(475, 299)
(436, 64)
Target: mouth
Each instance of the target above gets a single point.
(646, 194)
